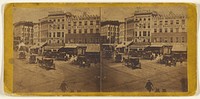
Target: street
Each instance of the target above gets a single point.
(116, 77)
(32, 78)
(119, 78)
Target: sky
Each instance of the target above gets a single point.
(108, 13)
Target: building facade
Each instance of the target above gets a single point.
(122, 33)
(56, 28)
(36, 31)
(110, 32)
(170, 28)
(83, 29)
(23, 32)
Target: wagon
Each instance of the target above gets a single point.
(62, 56)
(168, 60)
(22, 55)
(46, 63)
(119, 58)
(133, 62)
(32, 59)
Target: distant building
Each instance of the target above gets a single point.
(142, 26)
(129, 29)
(148, 27)
(56, 28)
(43, 30)
(23, 32)
(122, 33)
(169, 28)
(83, 29)
(110, 32)
(36, 31)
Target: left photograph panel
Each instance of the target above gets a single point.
(56, 49)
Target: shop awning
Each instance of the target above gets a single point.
(155, 46)
(70, 46)
(34, 47)
(179, 48)
(121, 46)
(137, 46)
(93, 48)
(52, 47)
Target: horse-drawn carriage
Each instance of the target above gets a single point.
(168, 60)
(46, 63)
(22, 55)
(32, 59)
(133, 62)
(83, 61)
(62, 56)
(118, 57)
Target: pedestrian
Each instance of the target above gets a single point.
(63, 86)
(149, 86)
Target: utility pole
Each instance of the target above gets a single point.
(101, 59)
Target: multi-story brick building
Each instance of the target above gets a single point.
(170, 28)
(129, 28)
(122, 33)
(36, 31)
(110, 32)
(83, 29)
(56, 28)
(23, 32)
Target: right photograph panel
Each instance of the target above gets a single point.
(144, 49)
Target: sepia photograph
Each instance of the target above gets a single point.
(100, 49)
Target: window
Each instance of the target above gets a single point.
(54, 34)
(144, 33)
(58, 27)
(63, 19)
(97, 30)
(74, 23)
(91, 22)
(49, 34)
(155, 22)
(171, 30)
(80, 31)
(148, 33)
(183, 40)
(91, 30)
(58, 20)
(58, 34)
(165, 30)
(69, 23)
(177, 21)
(160, 30)
(160, 23)
(171, 39)
(166, 22)
(80, 23)
(97, 22)
(62, 34)
(85, 30)
(140, 34)
(63, 27)
(176, 39)
(74, 31)
(155, 30)
(183, 29)
(183, 21)
(149, 19)
(85, 23)
(160, 39)
(144, 19)
(171, 22)
(69, 31)
(135, 33)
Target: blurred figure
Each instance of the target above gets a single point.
(149, 86)
(63, 86)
